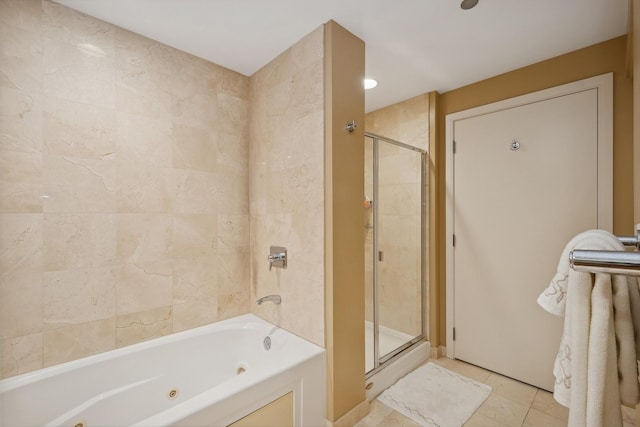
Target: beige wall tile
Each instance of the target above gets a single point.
(75, 28)
(20, 58)
(144, 189)
(20, 181)
(235, 84)
(233, 269)
(193, 76)
(20, 120)
(144, 237)
(142, 326)
(144, 286)
(76, 341)
(232, 114)
(73, 184)
(82, 73)
(198, 192)
(194, 107)
(77, 241)
(142, 92)
(133, 155)
(195, 278)
(194, 235)
(20, 244)
(235, 304)
(406, 121)
(78, 130)
(194, 313)
(286, 161)
(134, 51)
(21, 355)
(194, 148)
(144, 140)
(78, 296)
(25, 14)
(233, 233)
(143, 75)
(233, 152)
(21, 304)
(233, 196)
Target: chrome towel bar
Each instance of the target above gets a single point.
(612, 262)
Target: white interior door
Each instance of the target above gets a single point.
(525, 181)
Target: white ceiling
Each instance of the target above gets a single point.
(412, 46)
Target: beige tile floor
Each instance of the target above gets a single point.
(510, 404)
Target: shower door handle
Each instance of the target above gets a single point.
(380, 256)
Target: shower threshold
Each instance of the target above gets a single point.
(397, 366)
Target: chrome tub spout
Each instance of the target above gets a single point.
(276, 299)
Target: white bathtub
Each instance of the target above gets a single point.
(221, 372)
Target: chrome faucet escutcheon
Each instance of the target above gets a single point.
(277, 257)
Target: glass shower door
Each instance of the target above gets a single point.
(394, 248)
(399, 248)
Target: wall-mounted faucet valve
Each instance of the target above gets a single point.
(277, 257)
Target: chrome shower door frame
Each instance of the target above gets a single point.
(380, 362)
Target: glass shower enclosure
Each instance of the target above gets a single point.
(395, 211)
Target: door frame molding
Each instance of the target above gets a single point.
(604, 84)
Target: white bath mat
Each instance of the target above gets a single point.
(434, 396)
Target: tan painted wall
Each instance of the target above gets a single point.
(635, 60)
(601, 58)
(124, 207)
(344, 251)
(287, 186)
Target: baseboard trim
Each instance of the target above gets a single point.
(438, 352)
(352, 417)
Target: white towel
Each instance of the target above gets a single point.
(596, 367)
(553, 298)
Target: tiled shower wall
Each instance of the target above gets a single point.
(287, 186)
(124, 208)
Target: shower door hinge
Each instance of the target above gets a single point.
(454, 334)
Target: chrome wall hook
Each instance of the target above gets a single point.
(514, 146)
(351, 126)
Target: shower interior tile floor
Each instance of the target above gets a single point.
(390, 339)
(510, 404)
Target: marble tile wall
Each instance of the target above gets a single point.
(287, 186)
(406, 121)
(399, 212)
(124, 187)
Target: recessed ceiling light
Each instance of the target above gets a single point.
(370, 83)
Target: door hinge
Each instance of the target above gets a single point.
(454, 147)
(454, 240)
(454, 334)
